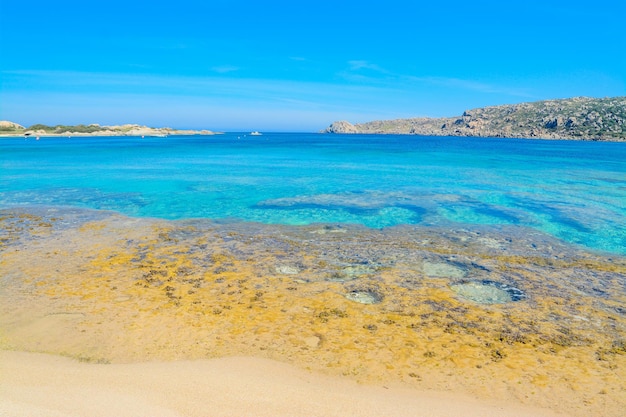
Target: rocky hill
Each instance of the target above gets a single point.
(579, 118)
(9, 126)
(14, 129)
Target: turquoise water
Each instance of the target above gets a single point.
(575, 191)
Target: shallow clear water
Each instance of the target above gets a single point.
(575, 191)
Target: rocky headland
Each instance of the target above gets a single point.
(13, 129)
(579, 118)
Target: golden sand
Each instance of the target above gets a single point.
(120, 290)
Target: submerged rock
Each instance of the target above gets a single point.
(364, 297)
(488, 292)
(287, 270)
(442, 270)
(353, 272)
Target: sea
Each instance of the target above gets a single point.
(494, 267)
(572, 190)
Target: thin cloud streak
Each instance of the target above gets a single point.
(355, 73)
(214, 86)
(241, 96)
(224, 69)
(472, 86)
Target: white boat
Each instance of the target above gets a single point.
(255, 133)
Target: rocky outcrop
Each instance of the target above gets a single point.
(341, 127)
(576, 118)
(9, 126)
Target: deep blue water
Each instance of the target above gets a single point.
(573, 190)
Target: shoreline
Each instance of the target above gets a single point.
(107, 134)
(363, 133)
(229, 386)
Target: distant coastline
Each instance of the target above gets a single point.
(579, 118)
(12, 129)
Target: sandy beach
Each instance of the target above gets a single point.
(132, 317)
(46, 385)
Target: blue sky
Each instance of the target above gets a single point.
(237, 65)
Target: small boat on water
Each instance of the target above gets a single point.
(255, 133)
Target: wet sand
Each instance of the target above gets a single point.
(42, 385)
(499, 315)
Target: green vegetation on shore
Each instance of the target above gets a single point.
(65, 129)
